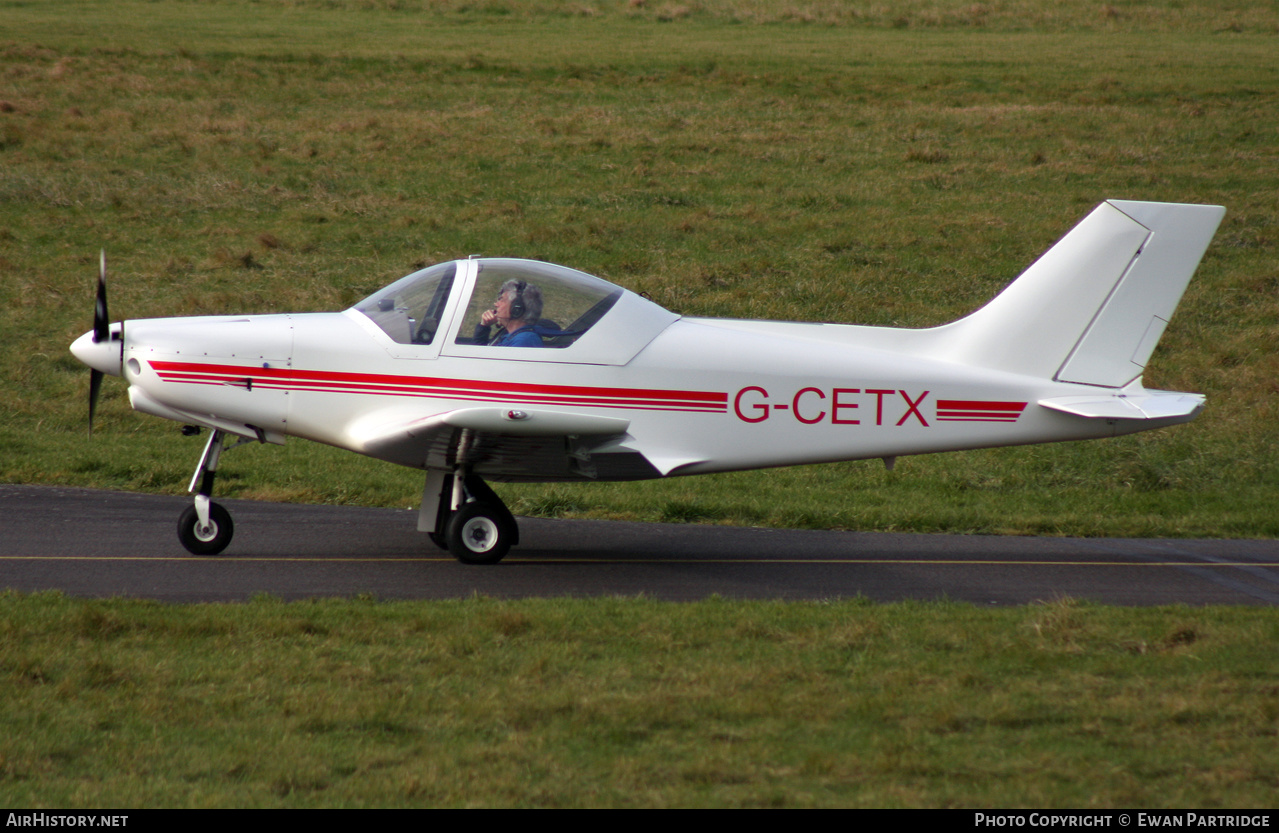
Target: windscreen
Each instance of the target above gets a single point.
(410, 310)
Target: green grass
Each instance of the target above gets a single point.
(634, 703)
(890, 165)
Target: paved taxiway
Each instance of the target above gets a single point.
(95, 543)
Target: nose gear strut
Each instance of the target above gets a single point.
(205, 527)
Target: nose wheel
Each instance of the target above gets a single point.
(202, 538)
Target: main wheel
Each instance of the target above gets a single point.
(205, 540)
(479, 533)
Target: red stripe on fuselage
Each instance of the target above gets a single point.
(978, 405)
(977, 410)
(440, 388)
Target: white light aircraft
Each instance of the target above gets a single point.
(588, 381)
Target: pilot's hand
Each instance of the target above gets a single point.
(488, 318)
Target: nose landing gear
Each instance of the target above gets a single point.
(205, 527)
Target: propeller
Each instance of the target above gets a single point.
(102, 348)
(101, 333)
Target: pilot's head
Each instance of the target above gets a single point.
(519, 301)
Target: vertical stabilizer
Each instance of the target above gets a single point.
(1118, 343)
(1092, 308)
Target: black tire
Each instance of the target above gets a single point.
(479, 533)
(438, 540)
(209, 541)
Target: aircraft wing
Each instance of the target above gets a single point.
(508, 444)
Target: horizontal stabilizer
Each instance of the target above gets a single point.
(1151, 404)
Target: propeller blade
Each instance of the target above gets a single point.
(101, 333)
(101, 323)
(95, 385)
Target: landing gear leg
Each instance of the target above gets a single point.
(205, 527)
(470, 520)
(437, 507)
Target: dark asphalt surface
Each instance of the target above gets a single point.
(96, 543)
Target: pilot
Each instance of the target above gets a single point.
(516, 311)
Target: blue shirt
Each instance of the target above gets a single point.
(525, 336)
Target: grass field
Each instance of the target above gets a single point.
(634, 703)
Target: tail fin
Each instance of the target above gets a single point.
(1092, 308)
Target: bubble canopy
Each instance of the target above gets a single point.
(446, 304)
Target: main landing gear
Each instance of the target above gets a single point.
(463, 515)
(205, 528)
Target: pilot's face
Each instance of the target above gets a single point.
(502, 306)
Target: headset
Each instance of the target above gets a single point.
(517, 303)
